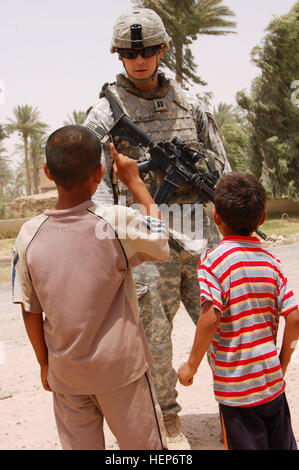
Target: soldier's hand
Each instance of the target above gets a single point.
(125, 168)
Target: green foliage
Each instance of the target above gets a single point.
(5, 171)
(36, 150)
(223, 114)
(77, 118)
(270, 111)
(195, 17)
(26, 122)
(235, 140)
(6, 175)
(2, 133)
(235, 136)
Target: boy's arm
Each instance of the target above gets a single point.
(290, 338)
(34, 325)
(127, 171)
(205, 330)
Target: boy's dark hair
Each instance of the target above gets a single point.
(240, 200)
(72, 153)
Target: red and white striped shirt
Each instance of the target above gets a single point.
(247, 285)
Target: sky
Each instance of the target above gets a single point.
(55, 55)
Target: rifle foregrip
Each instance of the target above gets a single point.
(199, 183)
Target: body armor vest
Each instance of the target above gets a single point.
(162, 119)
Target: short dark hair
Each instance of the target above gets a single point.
(72, 153)
(240, 200)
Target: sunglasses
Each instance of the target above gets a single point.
(146, 52)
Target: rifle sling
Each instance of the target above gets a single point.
(116, 108)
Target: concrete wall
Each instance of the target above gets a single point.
(10, 228)
(29, 206)
(284, 206)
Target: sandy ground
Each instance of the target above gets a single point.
(27, 420)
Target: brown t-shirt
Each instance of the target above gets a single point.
(74, 265)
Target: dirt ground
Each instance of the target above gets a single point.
(27, 420)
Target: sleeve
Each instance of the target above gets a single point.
(144, 238)
(210, 288)
(104, 193)
(286, 299)
(100, 120)
(207, 131)
(22, 289)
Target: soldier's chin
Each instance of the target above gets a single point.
(142, 80)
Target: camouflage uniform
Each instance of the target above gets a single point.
(161, 287)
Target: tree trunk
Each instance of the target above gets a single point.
(28, 177)
(179, 63)
(35, 173)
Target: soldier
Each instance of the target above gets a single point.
(160, 108)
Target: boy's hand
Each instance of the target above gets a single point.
(125, 168)
(44, 375)
(185, 374)
(127, 171)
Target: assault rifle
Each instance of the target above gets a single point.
(176, 158)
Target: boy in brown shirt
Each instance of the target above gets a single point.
(72, 276)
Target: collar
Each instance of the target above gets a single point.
(162, 90)
(241, 239)
(70, 211)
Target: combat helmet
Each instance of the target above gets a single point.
(139, 28)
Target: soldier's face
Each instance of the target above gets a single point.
(142, 68)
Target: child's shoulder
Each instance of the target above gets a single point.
(27, 233)
(210, 255)
(30, 227)
(271, 257)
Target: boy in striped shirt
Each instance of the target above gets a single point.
(243, 292)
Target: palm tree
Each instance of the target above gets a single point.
(2, 133)
(223, 114)
(37, 152)
(36, 149)
(206, 98)
(5, 171)
(195, 17)
(26, 123)
(77, 118)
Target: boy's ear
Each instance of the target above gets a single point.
(264, 216)
(99, 173)
(47, 172)
(217, 217)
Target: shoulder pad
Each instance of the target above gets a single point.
(102, 92)
(181, 96)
